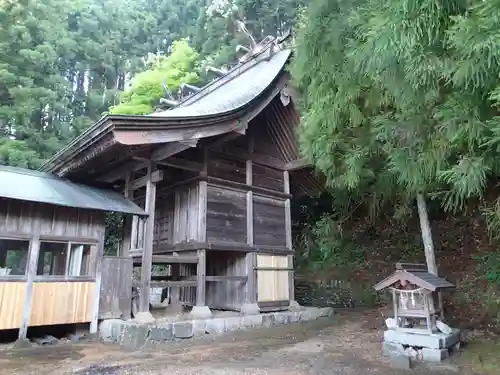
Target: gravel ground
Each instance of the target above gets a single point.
(340, 345)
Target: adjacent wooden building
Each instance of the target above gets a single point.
(51, 249)
(215, 174)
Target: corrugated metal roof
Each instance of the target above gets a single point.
(234, 90)
(35, 186)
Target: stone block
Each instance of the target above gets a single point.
(215, 326)
(391, 348)
(183, 330)
(134, 336)
(250, 309)
(400, 361)
(232, 324)
(267, 320)
(305, 315)
(314, 313)
(199, 328)
(326, 312)
(161, 333)
(446, 329)
(110, 330)
(391, 323)
(282, 317)
(294, 306)
(201, 312)
(144, 317)
(434, 355)
(295, 317)
(251, 321)
(434, 341)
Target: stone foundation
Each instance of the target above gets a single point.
(135, 335)
(421, 347)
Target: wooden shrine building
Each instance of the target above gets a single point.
(51, 249)
(215, 173)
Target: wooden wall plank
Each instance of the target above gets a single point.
(272, 286)
(269, 223)
(116, 288)
(49, 297)
(26, 218)
(12, 301)
(226, 215)
(267, 178)
(229, 294)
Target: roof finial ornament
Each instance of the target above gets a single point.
(219, 72)
(242, 28)
(168, 102)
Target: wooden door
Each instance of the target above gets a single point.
(273, 283)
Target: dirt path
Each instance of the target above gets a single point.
(342, 345)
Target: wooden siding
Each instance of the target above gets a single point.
(116, 288)
(267, 178)
(186, 214)
(12, 297)
(226, 168)
(229, 295)
(226, 215)
(269, 227)
(272, 286)
(164, 220)
(24, 218)
(61, 303)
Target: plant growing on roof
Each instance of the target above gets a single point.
(146, 88)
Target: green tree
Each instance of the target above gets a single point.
(146, 89)
(388, 112)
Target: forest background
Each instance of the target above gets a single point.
(399, 100)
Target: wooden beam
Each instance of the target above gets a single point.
(288, 213)
(202, 211)
(182, 164)
(169, 259)
(251, 287)
(296, 165)
(201, 278)
(239, 153)
(147, 256)
(171, 149)
(120, 172)
(98, 279)
(226, 138)
(126, 242)
(156, 177)
(32, 268)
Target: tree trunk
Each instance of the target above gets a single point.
(425, 228)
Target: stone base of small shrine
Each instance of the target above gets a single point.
(421, 347)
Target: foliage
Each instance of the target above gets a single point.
(489, 267)
(395, 102)
(147, 89)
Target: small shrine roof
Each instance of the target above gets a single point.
(422, 279)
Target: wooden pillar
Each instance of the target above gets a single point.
(249, 181)
(126, 243)
(98, 279)
(202, 211)
(147, 255)
(288, 239)
(32, 268)
(201, 278)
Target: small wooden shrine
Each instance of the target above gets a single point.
(415, 298)
(215, 173)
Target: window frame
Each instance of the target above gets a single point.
(22, 238)
(69, 242)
